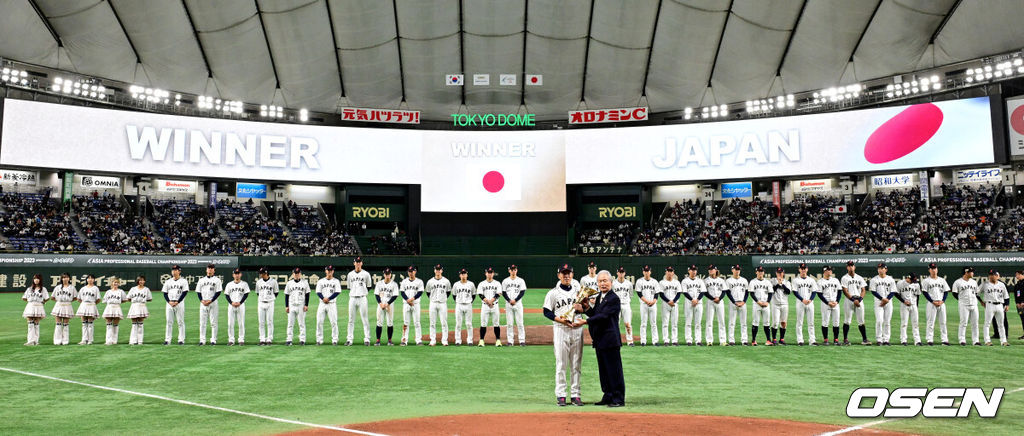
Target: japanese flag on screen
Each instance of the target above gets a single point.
(494, 181)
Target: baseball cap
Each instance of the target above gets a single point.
(932, 266)
(591, 265)
(669, 269)
(850, 263)
(210, 265)
(968, 269)
(693, 268)
(513, 267)
(913, 277)
(780, 269)
(357, 259)
(176, 267)
(489, 270)
(297, 270)
(646, 268)
(712, 267)
(759, 269)
(387, 271)
(236, 271)
(802, 266)
(826, 268)
(737, 267)
(463, 271)
(329, 268)
(263, 270)
(993, 272)
(882, 265)
(412, 268)
(438, 267)
(565, 268)
(621, 269)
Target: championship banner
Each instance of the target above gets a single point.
(380, 115)
(980, 175)
(609, 212)
(21, 177)
(598, 116)
(16, 270)
(1007, 259)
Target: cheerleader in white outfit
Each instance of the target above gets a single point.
(113, 299)
(139, 296)
(36, 295)
(88, 296)
(64, 294)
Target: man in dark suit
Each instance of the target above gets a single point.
(603, 323)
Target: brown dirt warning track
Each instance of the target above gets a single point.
(589, 423)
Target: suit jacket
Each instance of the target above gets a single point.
(603, 321)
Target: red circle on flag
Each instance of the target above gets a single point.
(1017, 120)
(493, 181)
(533, 79)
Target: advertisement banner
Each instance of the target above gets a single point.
(250, 190)
(893, 181)
(100, 182)
(609, 212)
(809, 186)
(1015, 115)
(925, 189)
(374, 212)
(183, 186)
(777, 196)
(69, 182)
(980, 175)
(20, 177)
(598, 116)
(737, 190)
(921, 261)
(380, 115)
(674, 193)
(869, 140)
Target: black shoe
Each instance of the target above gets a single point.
(181, 342)
(903, 344)
(302, 343)
(945, 343)
(931, 344)
(165, 342)
(1022, 337)
(616, 405)
(289, 343)
(561, 401)
(963, 344)
(977, 344)
(602, 403)
(577, 402)
(523, 344)
(918, 344)
(846, 342)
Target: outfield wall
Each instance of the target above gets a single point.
(539, 271)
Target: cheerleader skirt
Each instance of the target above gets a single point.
(63, 310)
(34, 310)
(87, 309)
(138, 310)
(113, 311)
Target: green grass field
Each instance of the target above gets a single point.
(343, 385)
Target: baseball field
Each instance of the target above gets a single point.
(156, 389)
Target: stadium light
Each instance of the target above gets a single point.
(271, 111)
(303, 114)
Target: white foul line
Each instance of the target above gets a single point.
(1016, 390)
(191, 403)
(854, 428)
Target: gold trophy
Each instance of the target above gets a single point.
(584, 294)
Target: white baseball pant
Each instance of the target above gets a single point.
(994, 310)
(760, 316)
(670, 323)
(175, 315)
(236, 315)
(692, 317)
(386, 316)
(780, 314)
(265, 314)
(514, 316)
(492, 313)
(463, 318)
(357, 305)
(883, 320)
(330, 311)
(930, 313)
(568, 358)
(296, 314)
(804, 312)
(411, 314)
(968, 314)
(908, 314)
(715, 313)
(829, 315)
(208, 315)
(648, 317)
(734, 313)
(438, 312)
(626, 317)
(851, 310)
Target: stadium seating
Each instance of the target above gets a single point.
(33, 222)
(110, 228)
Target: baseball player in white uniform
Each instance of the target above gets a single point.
(804, 289)
(464, 292)
(236, 292)
(411, 289)
(568, 336)
(780, 306)
(648, 290)
(359, 282)
(761, 293)
(208, 289)
(967, 293)
(935, 290)
(671, 291)
(907, 292)
(513, 289)
(589, 280)
(89, 295)
(386, 292)
(35, 297)
(622, 287)
(737, 289)
(175, 289)
(883, 287)
(489, 290)
(693, 312)
(854, 289)
(715, 288)
(64, 294)
(327, 290)
(996, 300)
(831, 291)
(439, 289)
(266, 290)
(296, 304)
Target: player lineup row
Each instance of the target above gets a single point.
(845, 295)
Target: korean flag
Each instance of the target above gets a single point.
(453, 79)
(495, 180)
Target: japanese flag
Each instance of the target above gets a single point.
(534, 79)
(494, 181)
(453, 79)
